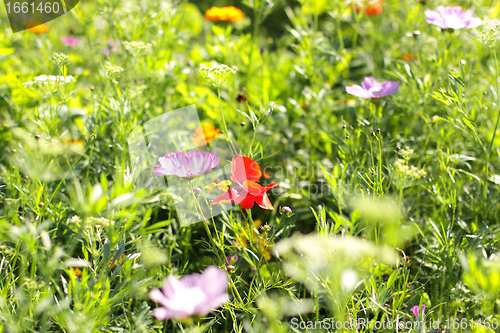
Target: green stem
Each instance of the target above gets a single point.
(97, 112)
(256, 23)
(339, 28)
(485, 187)
(380, 165)
(233, 149)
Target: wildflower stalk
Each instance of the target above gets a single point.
(263, 255)
(485, 187)
(205, 224)
(233, 149)
(380, 165)
(94, 134)
(339, 29)
(255, 28)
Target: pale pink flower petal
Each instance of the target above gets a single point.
(368, 83)
(70, 40)
(192, 295)
(370, 88)
(357, 91)
(186, 165)
(416, 311)
(452, 18)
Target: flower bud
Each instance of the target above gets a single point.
(197, 190)
(287, 211)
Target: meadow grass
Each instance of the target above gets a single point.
(392, 202)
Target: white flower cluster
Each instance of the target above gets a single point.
(98, 222)
(406, 175)
(136, 45)
(408, 171)
(489, 37)
(216, 75)
(112, 71)
(137, 48)
(48, 79)
(222, 69)
(406, 153)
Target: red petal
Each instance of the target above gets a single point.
(243, 168)
(264, 202)
(226, 197)
(238, 195)
(247, 201)
(255, 189)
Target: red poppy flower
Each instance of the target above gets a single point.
(246, 172)
(373, 7)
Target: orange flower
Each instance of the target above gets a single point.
(204, 135)
(408, 57)
(37, 27)
(113, 263)
(77, 271)
(223, 14)
(374, 7)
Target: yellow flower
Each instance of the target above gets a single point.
(77, 142)
(348, 101)
(37, 27)
(262, 243)
(205, 134)
(221, 185)
(223, 14)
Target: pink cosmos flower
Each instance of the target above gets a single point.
(452, 18)
(186, 165)
(191, 295)
(70, 40)
(416, 310)
(370, 88)
(232, 259)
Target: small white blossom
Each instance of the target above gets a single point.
(46, 80)
(216, 76)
